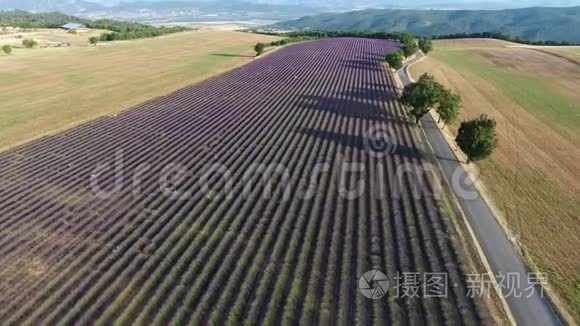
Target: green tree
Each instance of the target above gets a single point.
(7, 49)
(477, 138)
(448, 106)
(29, 43)
(421, 96)
(93, 40)
(259, 48)
(395, 59)
(426, 45)
(409, 46)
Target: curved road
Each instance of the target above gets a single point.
(530, 308)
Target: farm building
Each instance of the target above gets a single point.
(71, 26)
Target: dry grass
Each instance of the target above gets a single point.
(43, 90)
(562, 74)
(471, 43)
(572, 53)
(45, 37)
(534, 176)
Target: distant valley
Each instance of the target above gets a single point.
(167, 11)
(531, 24)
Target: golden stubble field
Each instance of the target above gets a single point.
(46, 37)
(570, 53)
(48, 89)
(534, 176)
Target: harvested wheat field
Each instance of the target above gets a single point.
(534, 176)
(43, 90)
(570, 53)
(229, 203)
(46, 37)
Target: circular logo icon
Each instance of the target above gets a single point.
(379, 141)
(373, 284)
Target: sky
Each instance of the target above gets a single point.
(506, 3)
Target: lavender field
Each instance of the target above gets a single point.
(259, 197)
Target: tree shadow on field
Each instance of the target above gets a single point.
(367, 65)
(361, 142)
(373, 93)
(346, 107)
(370, 104)
(387, 89)
(374, 55)
(381, 56)
(232, 55)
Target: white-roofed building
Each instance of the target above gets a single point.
(71, 26)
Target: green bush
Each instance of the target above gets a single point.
(7, 49)
(409, 47)
(477, 138)
(29, 43)
(395, 59)
(93, 40)
(448, 107)
(259, 48)
(426, 45)
(421, 96)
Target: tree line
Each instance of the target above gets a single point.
(261, 47)
(315, 34)
(410, 42)
(410, 46)
(318, 34)
(118, 30)
(23, 19)
(477, 138)
(130, 31)
(501, 36)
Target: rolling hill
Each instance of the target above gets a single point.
(531, 24)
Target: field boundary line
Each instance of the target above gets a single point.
(553, 298)
(544, 50)
(272, 50)
(57, 131)
(458, 209)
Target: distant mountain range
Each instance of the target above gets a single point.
(286, 6)
(71, 6)
(68, 6)
(345, 5)
(165, 11)
(533, 24)
(427, 4)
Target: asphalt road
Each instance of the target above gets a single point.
(530, 308)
